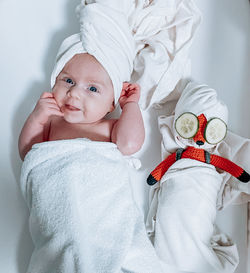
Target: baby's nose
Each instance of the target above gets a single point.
(74, 92)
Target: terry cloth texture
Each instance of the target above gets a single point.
(83, 217)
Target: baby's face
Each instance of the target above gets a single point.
(83, 90)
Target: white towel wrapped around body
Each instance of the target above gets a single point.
(83, 217)
(181, 219)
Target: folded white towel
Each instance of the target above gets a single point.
(83, 217)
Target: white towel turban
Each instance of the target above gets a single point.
(146, 41)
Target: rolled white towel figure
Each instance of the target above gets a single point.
(181, 219)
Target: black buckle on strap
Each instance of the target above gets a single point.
(179, 153)
(207, 157)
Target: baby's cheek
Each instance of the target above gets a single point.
(58, 99)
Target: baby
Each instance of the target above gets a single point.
(75, 178)
(81, 97)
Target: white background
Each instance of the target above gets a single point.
(31, 32)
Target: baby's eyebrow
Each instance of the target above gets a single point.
(95, 81)
(65, 73)
(91, 80)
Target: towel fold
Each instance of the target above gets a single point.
(163, 32)
(83, 217)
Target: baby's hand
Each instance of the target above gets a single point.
(130, 93)
(46, 107)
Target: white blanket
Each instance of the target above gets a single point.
(83, 217)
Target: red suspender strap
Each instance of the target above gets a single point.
(200, 155)
(230, 167)
(194, 153)
(160, 170)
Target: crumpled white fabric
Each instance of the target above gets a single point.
(163, 32)
(148, 39)
(183, 205)
(83, 217)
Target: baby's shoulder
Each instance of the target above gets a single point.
(109, 123)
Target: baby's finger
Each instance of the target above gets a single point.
(123, 93)
(125, 85)
(53, 106)
(56, 112)
(49, 100)
(46, 95)
(135, 86)
(131, 92)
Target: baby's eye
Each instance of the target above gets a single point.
(92, 89)
(68, 80)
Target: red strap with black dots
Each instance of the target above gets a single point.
(202, 156)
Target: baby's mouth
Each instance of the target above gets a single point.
(71, 107)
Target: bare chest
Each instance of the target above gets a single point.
(60, 129)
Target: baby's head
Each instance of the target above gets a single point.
(101, 55)
(83, 90)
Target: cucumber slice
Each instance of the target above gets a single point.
(215, 131)
(187, 125)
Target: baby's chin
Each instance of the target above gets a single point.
(79, 119)
(72, 118)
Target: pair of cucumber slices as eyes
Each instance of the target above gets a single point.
(187, 125)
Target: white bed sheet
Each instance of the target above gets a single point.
(30, 35)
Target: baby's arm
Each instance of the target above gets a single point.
(33, 130)
(128, 132)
